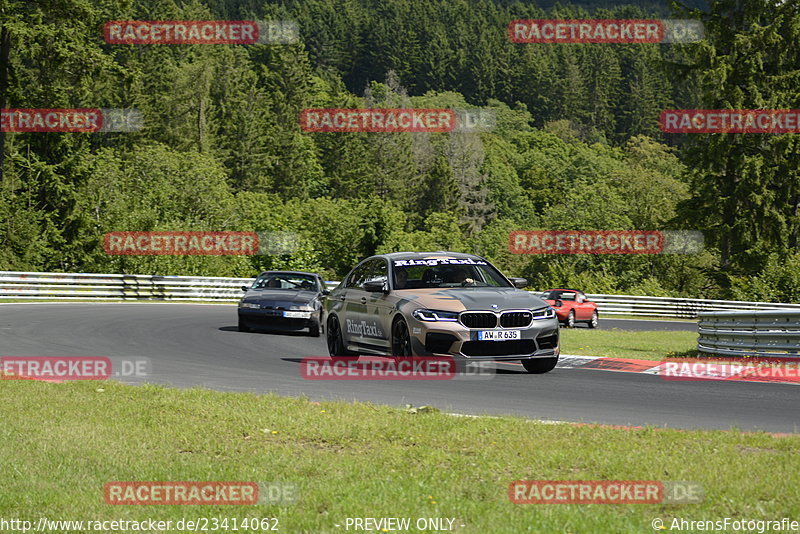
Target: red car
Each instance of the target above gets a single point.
(571, 307)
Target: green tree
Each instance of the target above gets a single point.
(746, 187)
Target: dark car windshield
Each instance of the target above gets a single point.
(559, 295)
(446, 272)
(286, 281)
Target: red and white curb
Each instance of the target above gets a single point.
(602, 363)
(691, 370)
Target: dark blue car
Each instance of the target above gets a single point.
(283, 300)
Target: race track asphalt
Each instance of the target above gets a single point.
(199, 345)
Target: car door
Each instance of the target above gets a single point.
(348, 298)
(362, 323)
(583, 309)
(378, 309)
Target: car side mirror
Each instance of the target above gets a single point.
(520, 283)
(245, 288)
(374, 286)
(326, 291)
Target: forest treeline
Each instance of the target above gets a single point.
(576, 144)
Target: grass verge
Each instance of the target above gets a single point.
(63, 442)
(645, 345)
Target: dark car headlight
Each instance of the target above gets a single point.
(253, 305)
(434, 315)
(544, 313)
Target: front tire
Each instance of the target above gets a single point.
(335, 340)
(593, 321)
(401, 340)
(539, 366)
(570, 322)
(314, 327)
(243, 327)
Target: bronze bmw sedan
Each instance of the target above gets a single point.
(439, 303)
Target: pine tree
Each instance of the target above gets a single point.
(465, 156)
(604, 84)
(747, 186)
(645, 97)
(392, 153)
(439, 191)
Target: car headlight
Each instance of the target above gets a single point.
(434, 315)
(253, 305)
(304, 307)
(544, 313)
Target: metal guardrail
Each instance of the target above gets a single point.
(83, 286)
(88, 286)
(675, 307)
(750, 333)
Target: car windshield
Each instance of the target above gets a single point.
(559, 295)
(285, 281)
(446, 272)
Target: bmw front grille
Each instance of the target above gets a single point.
(507, 319)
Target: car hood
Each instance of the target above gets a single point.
(300, 296)
(460, 299)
